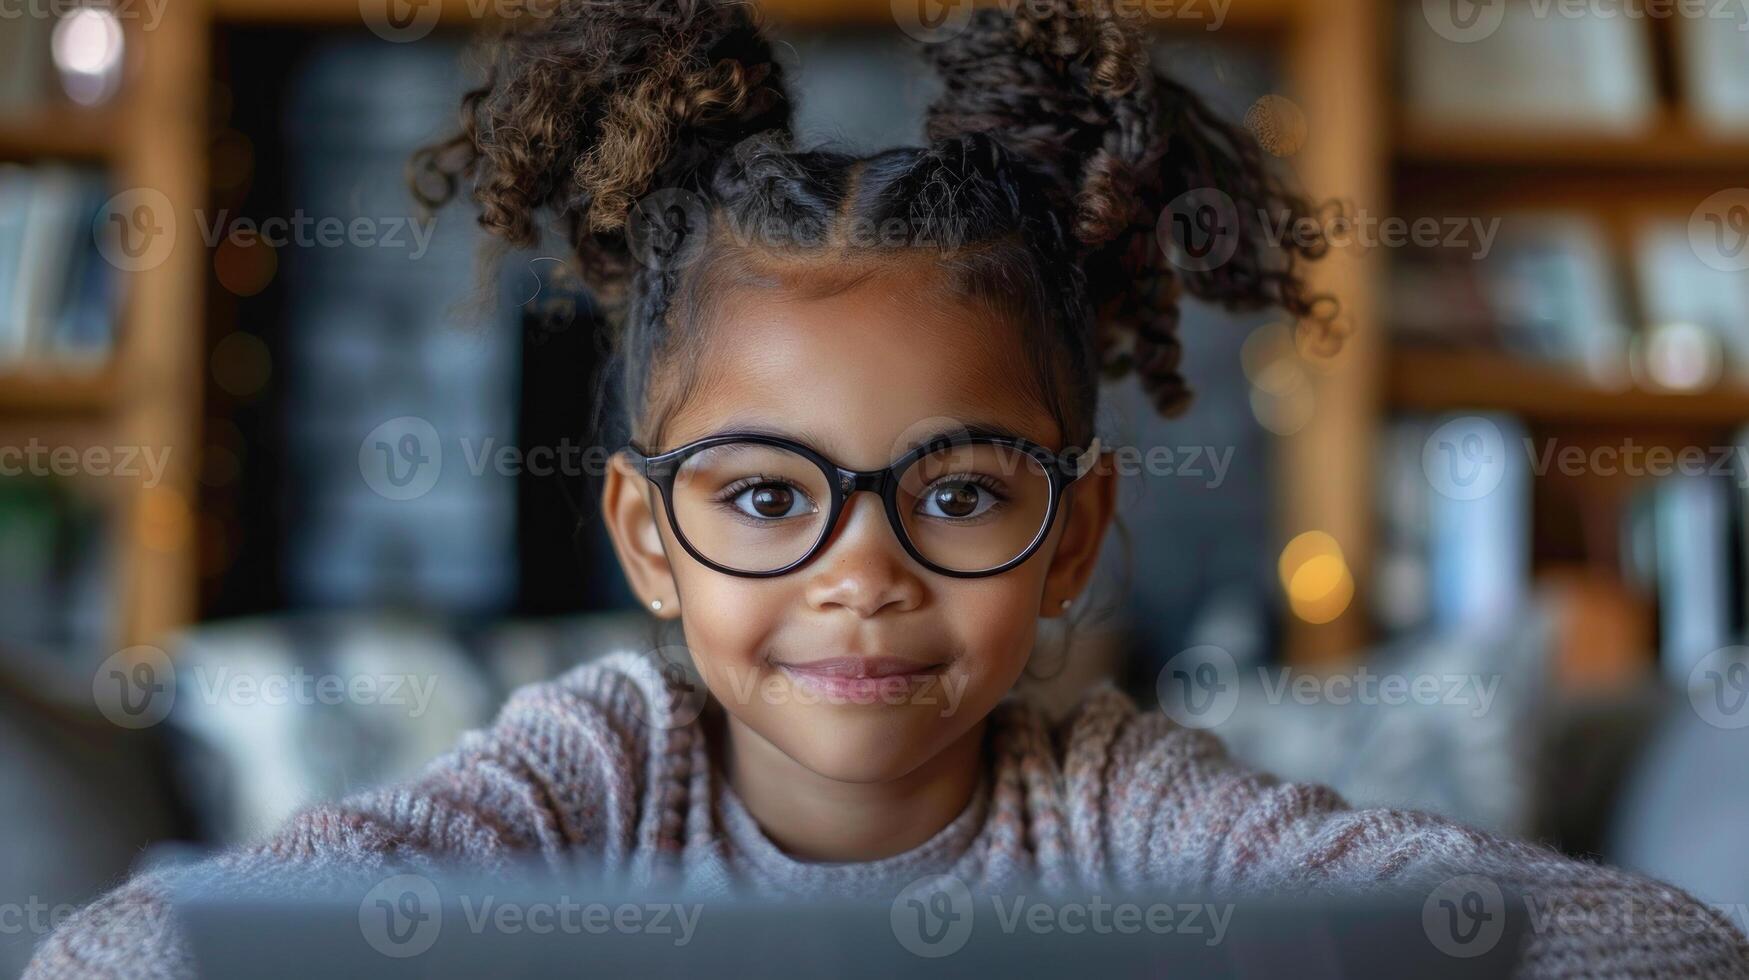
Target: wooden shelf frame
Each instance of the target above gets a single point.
(64, 132)
(32, 389)
(1672, 145)
(1453, 381)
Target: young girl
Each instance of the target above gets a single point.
(928, 325)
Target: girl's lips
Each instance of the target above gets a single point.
(863, 680)
(861, 667)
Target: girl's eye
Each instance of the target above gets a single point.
(956, 500)
(772, 501)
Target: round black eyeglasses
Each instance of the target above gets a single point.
(759, 506)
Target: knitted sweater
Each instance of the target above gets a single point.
(594, 765)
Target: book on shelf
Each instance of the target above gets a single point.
(55, 582)
(1662, 569)
(83, 328)
(1545, 289)
(1677, 286)
(1509, 66)
(1714, 54)
(1454, 521)
(14, 214)
(57, 293)
(1685, 529)
(26, 73)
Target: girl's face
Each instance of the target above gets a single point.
(860, 375)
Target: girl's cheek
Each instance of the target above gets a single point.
(997, 618)
(730, 621)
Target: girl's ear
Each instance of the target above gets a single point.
(629, 508)
(1088, 510)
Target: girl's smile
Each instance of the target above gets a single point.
(862, 680)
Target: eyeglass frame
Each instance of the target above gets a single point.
(1063, 472)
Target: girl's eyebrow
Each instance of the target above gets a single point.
(823, 443)
(974, 429)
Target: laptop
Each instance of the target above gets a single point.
(418, 925)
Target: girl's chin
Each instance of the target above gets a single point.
(860, 744)
(856, 760)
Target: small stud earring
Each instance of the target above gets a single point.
(656, 604)
(1065, 604)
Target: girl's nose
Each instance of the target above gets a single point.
(864, 568)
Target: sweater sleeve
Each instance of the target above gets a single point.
(558, 776)
(1181, 810)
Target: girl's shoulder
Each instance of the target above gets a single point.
(625, 690)
(598, 726)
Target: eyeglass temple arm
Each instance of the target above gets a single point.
(1087, 459)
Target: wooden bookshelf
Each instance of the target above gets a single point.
(66, 133)
(147, 393)
(1452, 381)
(1672, 145)
(45, 390)
(1622, 181)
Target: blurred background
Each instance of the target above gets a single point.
(287, 502)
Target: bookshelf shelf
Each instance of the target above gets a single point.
(1443, 381)
(64, 133)
(56, 390)
(1672, 146)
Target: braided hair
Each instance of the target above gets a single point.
(1052, 149)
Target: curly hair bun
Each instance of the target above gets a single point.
(1070, 85)
(1053, 133)
(587, 105)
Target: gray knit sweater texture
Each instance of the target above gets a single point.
(595, 767)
